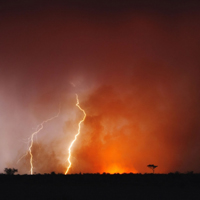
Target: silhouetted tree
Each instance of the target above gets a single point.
(10, 171)
(151, 166)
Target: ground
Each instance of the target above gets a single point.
(105, 186)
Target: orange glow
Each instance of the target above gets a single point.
(79, 129)
(115, 168)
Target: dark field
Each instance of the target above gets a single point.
(105, 186)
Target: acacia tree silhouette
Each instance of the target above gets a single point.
(151, 166)
(10, 171)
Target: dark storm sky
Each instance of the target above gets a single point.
(135, 66)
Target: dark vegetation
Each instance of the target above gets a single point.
(101, 186)
(10, 171)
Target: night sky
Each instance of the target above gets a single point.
(135, 66)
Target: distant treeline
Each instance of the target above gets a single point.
(171, 179)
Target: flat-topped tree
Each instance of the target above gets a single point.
(151, 166)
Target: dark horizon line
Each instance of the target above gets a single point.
(104, 173)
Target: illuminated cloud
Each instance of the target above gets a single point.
(136, 71)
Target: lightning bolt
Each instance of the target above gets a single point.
(39, 128)
(79, 129)
(32, 137)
